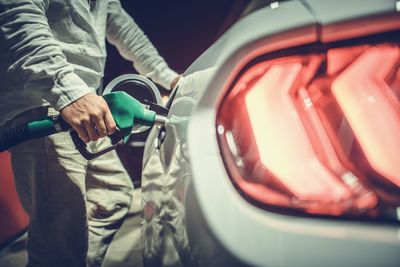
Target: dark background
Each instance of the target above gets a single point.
(180, 29)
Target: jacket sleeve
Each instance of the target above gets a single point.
(133, 44)
(34, 59)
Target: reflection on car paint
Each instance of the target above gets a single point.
(163, 210)
(166, 176)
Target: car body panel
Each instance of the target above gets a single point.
(187, 192)
(351, 19)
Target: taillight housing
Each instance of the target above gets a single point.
(317, 133)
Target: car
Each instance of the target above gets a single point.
(282, 146)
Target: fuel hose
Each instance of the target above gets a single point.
(31, 130)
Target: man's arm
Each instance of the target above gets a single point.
(37, 62)
(133, 44)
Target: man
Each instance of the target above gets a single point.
(52, 60)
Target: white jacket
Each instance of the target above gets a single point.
(53, 51)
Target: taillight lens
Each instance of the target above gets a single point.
(317, 133)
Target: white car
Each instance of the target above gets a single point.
(283, 144)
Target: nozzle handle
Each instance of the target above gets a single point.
(88, 155)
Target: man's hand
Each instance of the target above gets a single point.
(90, 117)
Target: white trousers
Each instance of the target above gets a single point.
(75, 206)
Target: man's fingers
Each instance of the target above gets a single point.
(109, 122)
(101, 127)
(91, 130)
(82, 133)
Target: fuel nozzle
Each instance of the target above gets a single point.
(127, 112)
(160, 120)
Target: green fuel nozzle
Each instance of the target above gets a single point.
(126, 110)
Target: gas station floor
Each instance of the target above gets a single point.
(125, 249)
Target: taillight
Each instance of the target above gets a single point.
(317, 133)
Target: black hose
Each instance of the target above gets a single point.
(31, 130)
(14, 136)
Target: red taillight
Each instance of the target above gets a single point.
(319, 133)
